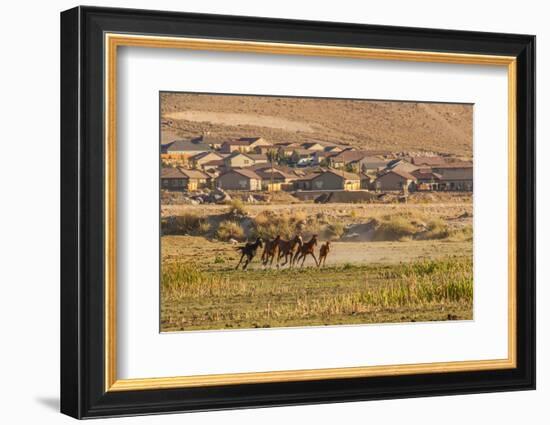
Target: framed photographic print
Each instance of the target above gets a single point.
(261, 212)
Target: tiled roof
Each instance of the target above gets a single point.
(194, 174)
(171, 173)
(185, 145)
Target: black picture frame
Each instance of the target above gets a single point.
(82, 206)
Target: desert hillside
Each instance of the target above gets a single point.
(393, 126)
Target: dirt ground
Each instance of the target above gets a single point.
(212, 253)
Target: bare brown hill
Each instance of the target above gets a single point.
(384, 125)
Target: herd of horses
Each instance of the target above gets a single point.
(277, 249)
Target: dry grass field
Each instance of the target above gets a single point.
(388, 263)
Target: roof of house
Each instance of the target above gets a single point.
(193, 174)
(325, 154)
(214, 163)
(427, 160)
(238, 153)
(343, 174)
(455, 164)
(266, 174)
(171, 173)
(449, 174)
(402, 165)
(309, 145)
(401, 173)
(203, 154)
(250, 140)
(185, 145)
(349, 156)
(257, 156)
(246, 172)
(302, 151)
(425, 174)
(237, 142)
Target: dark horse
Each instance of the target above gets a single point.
(249, 251)
(286, 249)
(308, 248)
(270, 250)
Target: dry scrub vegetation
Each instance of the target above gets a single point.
(235, 222)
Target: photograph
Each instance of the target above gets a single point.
(298, 211)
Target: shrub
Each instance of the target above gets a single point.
(436, 229)
(236, 207)
(394, 228)
(185, 224)
(229, 229)
(462, 234)
(334, 230)
(204, 227)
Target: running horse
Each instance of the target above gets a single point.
(249, 251)
(270, 250)
(287, 249)
(308, 248)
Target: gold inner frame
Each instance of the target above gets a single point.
(113, 41)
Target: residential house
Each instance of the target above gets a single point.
(403, 165)
(459, 176)
(336, 180)
(322, 158)
(196, 179)
(172, 179)
(198, 160)
(182, 149)
(370, 164)
(215, 142)
(214, 167)
(256, 143)
(240, 179)
(303, 182)
(183, 179)
(231, 146)
(367, 181)
(302, 157)
(346, 157)
(395, 179)
(243, 160)
(286, 149)
(274, 179)
(333, 149)
(426, 179)
(313, 146)
(258, 158)
(428, 161)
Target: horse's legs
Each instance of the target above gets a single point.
(294, 259)
(240, 261)
(248, 259)
(286, 258)
(315, 258)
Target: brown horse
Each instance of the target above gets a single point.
(308, 248)
(323, 253)
(248, 251)
(270, 250)
(286, 248)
